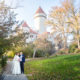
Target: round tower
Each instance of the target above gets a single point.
(39, 20)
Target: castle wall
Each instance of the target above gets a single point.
(39, 23)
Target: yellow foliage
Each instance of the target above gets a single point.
(18, 48)
(10, 53)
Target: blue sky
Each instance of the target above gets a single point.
(28, 8)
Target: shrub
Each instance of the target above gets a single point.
(77, 50)
(3, 61)
(39, 53)
(10, 54)
(72, 48)
(28, 51)
(47, 55)
(61, 52)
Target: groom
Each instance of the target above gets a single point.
(22, 60)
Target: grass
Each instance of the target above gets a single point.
(63, 67)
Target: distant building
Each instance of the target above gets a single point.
(39, 21)
(24, 28)
(40, 28)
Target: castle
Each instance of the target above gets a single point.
(39, 20)
(39, 24)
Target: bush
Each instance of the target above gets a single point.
(61, 52)
(10, 54)
(77, 51)
(28, 51)
(39, 53)
(47, 55)
(3, 61)
(72, 48)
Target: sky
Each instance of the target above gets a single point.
(27, 8)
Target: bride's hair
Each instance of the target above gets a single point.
(17, 53)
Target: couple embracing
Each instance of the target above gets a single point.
(18, 63)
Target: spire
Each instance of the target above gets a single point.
(25, 24)
(39, 10)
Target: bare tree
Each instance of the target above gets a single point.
(74, 21)
(58, 18)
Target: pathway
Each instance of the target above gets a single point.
(8, 76)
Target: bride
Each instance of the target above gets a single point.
(16, 65)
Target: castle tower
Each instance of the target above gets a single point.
(39, 21)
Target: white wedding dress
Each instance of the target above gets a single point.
(16, 65)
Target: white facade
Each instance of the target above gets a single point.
(40, 28)
(32, 34)
(39, 21)
(31, 38)
(24, 28)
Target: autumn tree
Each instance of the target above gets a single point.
(74, 21)
(21, 35)
(7, 20)
(42, 43)
(58, 20)
(58, 42)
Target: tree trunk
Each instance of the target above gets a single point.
(79, 43)
(78, 39)
(65, 42)
(34, 53)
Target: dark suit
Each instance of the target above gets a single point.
(22, 63)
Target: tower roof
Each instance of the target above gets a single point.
(39, 10)
(25, 24)
(32, 31)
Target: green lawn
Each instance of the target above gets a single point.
(64, 67)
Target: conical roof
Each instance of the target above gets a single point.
(39, 10)
(25, 24)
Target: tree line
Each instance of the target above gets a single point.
(65, 21)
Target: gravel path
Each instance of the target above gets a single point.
(8, 76)
(14, 77)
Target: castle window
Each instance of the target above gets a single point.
(31, 36)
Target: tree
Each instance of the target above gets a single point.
(42, 43)
(7, 20)
(58, 18)
(58, 42)
(74, 21)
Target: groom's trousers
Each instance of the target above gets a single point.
(22, 67)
